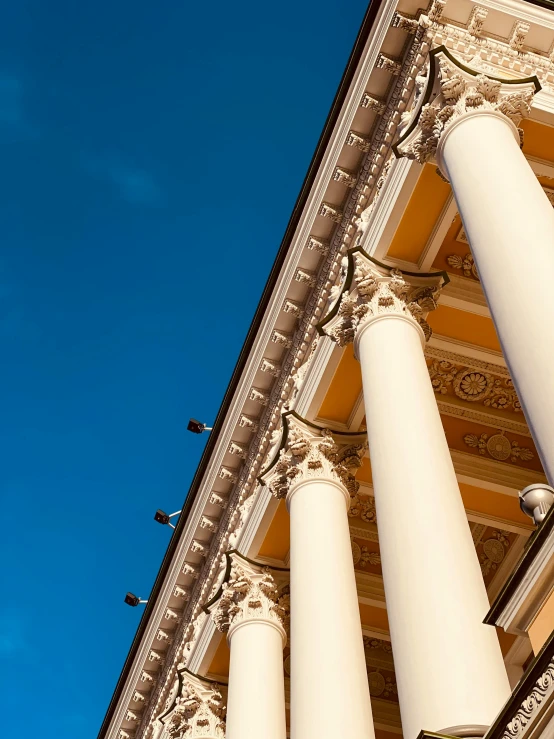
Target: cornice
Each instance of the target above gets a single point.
(529, 584)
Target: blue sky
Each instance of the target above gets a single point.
(151, 156)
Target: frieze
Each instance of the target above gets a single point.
(374, 289)
(474, 384)
(499, 447)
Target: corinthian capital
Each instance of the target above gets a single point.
(308, 452)
(454, 90)
(372, 289)
(250, 592)
(196, 711)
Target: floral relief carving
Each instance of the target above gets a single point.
(491, 546)
(473, 385)
(198, 712)
(363, 506)
(312, 453)
(377, 294)
(499, 447)
(461, 93)
(465, 264)
(364, 556)
(250, 594)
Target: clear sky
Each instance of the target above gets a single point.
(151, 154)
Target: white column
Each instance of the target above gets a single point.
(329, 685)
(509, 223)
(449, 668)
(254, 613)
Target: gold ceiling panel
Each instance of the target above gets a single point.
(538, 140)
(344, 390)
(422, 212)
(463, 326)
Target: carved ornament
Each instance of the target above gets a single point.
(196, 710)
(499, 447)
(250, 592)
(473, 385)
(308, 452)
(454, 90)
(372, 289)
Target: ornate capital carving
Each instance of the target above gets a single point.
(194, 710)
(454, 90)
(373, 289)
(308, 452)
(250, 592)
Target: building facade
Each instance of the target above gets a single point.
(352, 559)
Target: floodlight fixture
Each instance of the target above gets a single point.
(197, 427)
(133, 600)
(165, 518)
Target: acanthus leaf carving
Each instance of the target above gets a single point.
(378, 291)
(197, 710)
(312, 453)
(459, 92)
(251, 593)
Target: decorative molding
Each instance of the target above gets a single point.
(389, 64)
(370, 102)
(486, 385)
(319, 245)
(358, 140)
(227, 474)
(305, 277)
(248, 422)
(270, 366)
(496, 421)
(465, 264)
(476, 470)
(499, 447)
(294, 308)
(330, 211)
(517, 37)
(405, 22)
(259, 396)
(477, 18)
(344, 176)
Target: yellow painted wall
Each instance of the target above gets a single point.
(543, 625)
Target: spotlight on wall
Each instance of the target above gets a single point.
(197, 427)
(133, 600)
(164, 518)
